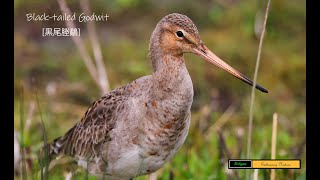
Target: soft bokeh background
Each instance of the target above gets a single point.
(51, 69)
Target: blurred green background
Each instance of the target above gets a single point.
(51, 69)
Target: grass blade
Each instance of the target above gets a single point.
(254, 85)
(22, 145)
(45, 161)
(274, 143)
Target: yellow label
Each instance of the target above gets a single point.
(276, 164)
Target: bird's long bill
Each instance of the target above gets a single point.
(205, 53)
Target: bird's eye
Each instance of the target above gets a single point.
(179, 33)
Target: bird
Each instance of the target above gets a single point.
(137, 128)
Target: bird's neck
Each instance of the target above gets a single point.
(171, 79)
(170, 75)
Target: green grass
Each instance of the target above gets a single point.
(22, 141)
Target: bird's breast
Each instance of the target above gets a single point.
(163, 139)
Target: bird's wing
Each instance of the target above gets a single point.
(85, 138)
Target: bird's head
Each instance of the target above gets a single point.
(176, 34)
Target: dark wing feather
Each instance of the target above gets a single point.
(85, 138)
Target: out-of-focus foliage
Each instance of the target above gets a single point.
(52, 68)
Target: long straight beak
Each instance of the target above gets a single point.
(209, 56)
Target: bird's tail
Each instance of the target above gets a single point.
(56, 149)
(51, 154)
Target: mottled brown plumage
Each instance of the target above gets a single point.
(134, 130)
